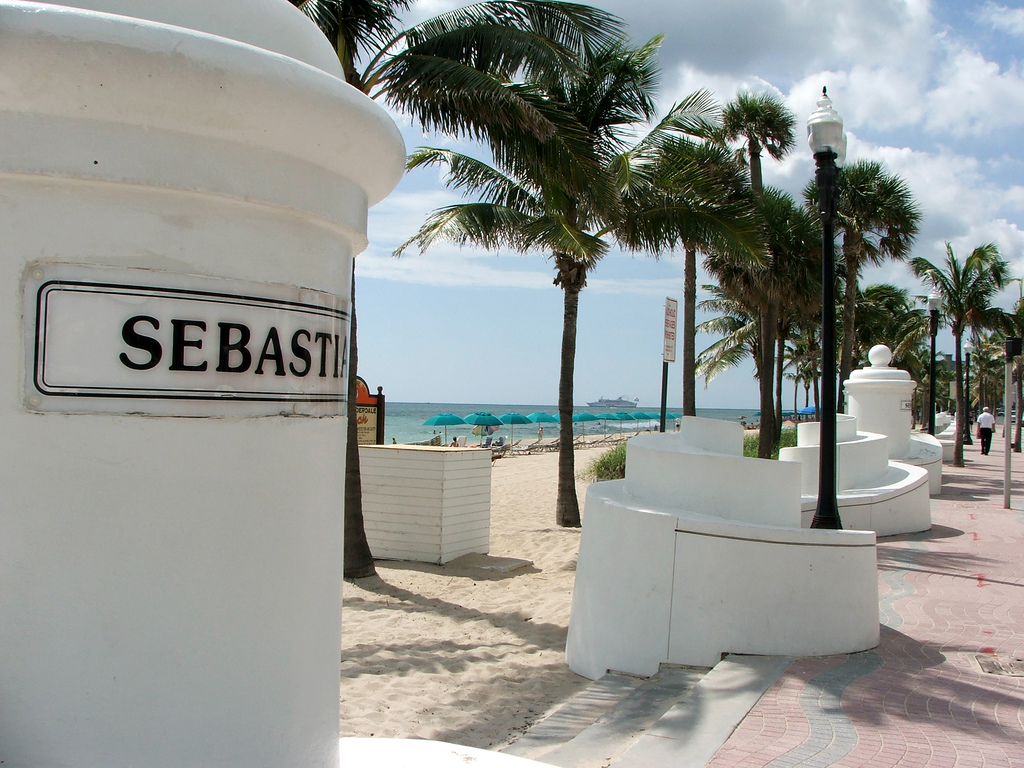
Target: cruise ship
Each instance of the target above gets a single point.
(619, 402)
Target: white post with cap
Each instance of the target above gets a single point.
(184, 187)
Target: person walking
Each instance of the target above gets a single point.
(986, 422)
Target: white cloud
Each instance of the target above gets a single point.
(1003, 19)
(975, 96)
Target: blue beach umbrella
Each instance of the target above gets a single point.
(512, 419)
(444, 420)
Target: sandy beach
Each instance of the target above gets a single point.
(471, 653)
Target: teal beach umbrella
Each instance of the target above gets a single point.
(584, 417)
(539, 417)
(512, 419)
(483, 419)
(444, 420)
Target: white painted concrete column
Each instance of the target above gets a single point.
(880, 399)
(182, 190)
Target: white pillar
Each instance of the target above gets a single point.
(880, 398)
(170, 537)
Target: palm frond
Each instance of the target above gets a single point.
(484, 225)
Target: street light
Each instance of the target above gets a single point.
(968, 348)
(934, 302)
(828, 143)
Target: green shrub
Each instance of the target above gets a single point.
(610, 465)
(788, 440)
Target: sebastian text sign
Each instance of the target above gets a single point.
(137, 341)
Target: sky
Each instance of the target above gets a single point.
(934, 90)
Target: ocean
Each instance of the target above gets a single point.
(404, 421)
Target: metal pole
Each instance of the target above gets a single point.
(1006, 432)
(967, 401)
(826, 515)
(931, 374)
(664, 394)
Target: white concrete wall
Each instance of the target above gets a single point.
(170, 587)
(656, 586)
(675, 568)
(670, 470)
(799, 593)
(426, 504)
(859, 462)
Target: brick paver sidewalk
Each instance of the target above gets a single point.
(946, 598)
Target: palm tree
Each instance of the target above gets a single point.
(452, 73)
(688, 177)
(967, 289)
(735, 324)
(879, 220)
(763, 122)
(787, 274)
(566, 196)
(1015, 326)
(793, 241)
(887, 315)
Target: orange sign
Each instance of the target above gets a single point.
(369, 413)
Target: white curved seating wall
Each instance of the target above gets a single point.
(663, 470)
(873, 491)
(697, 554)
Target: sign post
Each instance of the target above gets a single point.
(668, 353)
(1013, 349)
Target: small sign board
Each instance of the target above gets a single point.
(906, 405)
(671, 317)
(369, 414)
(140, 341)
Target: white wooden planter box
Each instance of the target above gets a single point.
(426, 504)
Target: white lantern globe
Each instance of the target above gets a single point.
(825, 130)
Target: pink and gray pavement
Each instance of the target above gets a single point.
(951, 604)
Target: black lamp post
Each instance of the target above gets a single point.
(828, 143)
(968, 348)
(933, 309)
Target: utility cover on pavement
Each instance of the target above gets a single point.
(1000, 665)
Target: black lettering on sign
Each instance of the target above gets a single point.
(179, 342)
(301, 352)
(227, 347)
(146, 343)
(272, 351)
(324, 339)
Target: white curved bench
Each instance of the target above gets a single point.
(873, 492)
(677, 564)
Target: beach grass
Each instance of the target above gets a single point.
(788, 440)
(610, 465)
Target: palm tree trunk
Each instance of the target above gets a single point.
(358, 558)
(780, 361)
(766, 364)
(961, 408)
(689, 331)
(754, 156)
(849, 331)
(567, 507)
